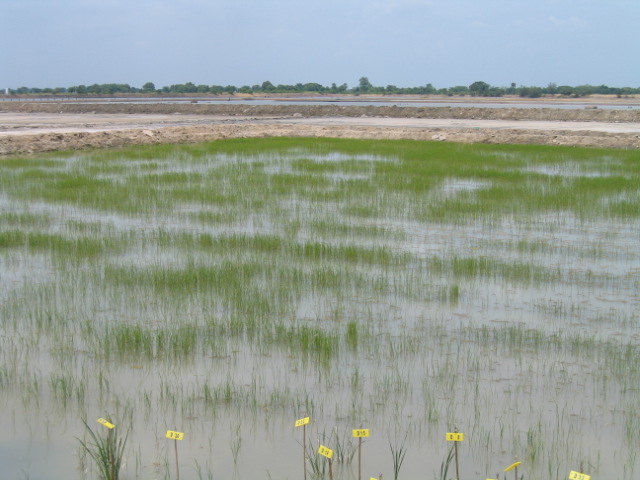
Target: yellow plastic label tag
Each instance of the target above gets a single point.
(511, 467)
(325, 452)
(175, 435)
(579, 476)
(302, 421)
(362, 432)
(106, 423)
(455, 437)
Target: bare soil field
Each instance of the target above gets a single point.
(31, 127)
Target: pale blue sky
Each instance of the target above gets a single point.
(49, 43)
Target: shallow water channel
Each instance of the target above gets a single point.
(227, 290)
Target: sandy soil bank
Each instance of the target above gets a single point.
(318, 110)
(37, 127)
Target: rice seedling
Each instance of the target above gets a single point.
(107, 451)
(398, 452)
(445, 465)
(235, 444)
(352, 335)
(317, 464)
(202, 473)
(343, 447)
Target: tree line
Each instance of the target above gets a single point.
(364, 86)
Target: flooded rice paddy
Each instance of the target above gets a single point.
(225, 290)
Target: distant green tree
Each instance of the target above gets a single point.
(267, 87)
(479, 88)
(285, 88)
(531, 92)
(458, 90)
(313, 87)
(364, 85)
(582, 90)
(565, 90)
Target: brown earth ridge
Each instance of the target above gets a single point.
(121, 124)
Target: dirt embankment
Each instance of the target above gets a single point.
(271, 120)
(550, 114)
(27, 144)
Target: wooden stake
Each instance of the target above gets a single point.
(175, 442)
(304, 451)
(359, 458)
(455, 446)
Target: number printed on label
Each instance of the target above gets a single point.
(361, 432)
(455, 437)
(302, 421)
(325, 452)
(175, 435)
(106, 423)
(579, 476)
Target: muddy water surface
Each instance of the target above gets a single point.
(227, 291)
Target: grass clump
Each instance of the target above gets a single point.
(107, 451)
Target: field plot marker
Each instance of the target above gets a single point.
(106, 423)
(578, 476)
(456, 437)
(360, 434)
(303, 423)
(513, 466)
(110, 426)
(171, 434)
(327, 452)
